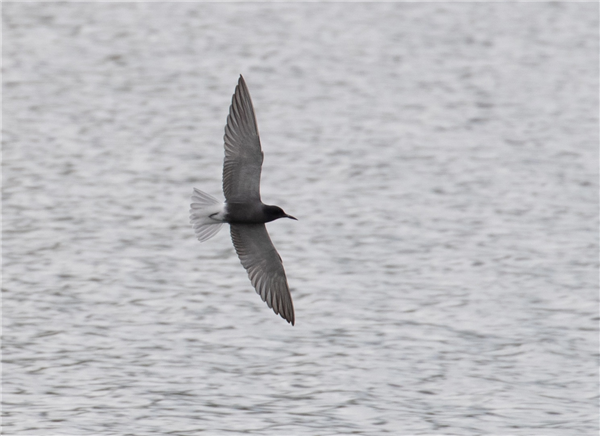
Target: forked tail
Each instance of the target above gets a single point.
(205, 215)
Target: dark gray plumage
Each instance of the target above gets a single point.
(243, 208)
(243, 154)
(264, 266)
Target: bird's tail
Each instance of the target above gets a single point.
(206, 215)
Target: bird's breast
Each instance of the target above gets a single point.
(244, 213)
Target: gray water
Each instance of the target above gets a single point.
(442, 160)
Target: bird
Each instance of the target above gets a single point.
(243, 209)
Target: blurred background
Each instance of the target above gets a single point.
(442, 159)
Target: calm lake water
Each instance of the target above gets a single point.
(442, 160)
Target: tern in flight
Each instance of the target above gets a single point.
(243, 209)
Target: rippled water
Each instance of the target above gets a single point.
(442, 160)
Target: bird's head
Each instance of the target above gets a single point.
(274, 212)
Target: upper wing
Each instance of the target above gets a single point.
(243, 155)
(264, 266)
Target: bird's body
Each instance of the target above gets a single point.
(251, 213)
(243, 209)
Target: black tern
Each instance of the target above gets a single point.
(243, 209)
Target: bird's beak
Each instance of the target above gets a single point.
(289, 216)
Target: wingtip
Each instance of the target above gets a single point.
(242, 85)
(289, 317)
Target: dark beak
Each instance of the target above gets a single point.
(289, 216)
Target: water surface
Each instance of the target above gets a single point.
(441, 158)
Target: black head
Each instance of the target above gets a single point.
(274, 212)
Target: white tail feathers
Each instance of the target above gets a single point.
(206, 215)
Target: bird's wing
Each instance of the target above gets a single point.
(264, 266)
(243, 155)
